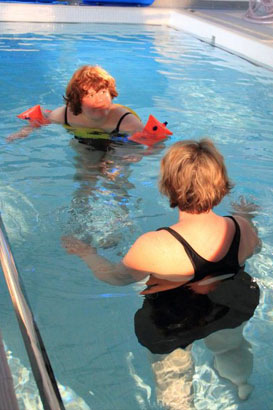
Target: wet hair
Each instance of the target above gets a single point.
(194, 176)
(83, 79)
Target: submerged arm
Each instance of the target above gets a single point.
(22, 133)
(37, 117)
(114, 273)
(247, 211)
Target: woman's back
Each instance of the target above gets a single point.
(211, 236)
(208, 234)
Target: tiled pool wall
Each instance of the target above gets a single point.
(57, 13)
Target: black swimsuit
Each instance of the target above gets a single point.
(115, 131)
(96, 139)
(177, 317)
(227, 265)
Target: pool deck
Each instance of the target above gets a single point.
(229, 30)
(224, 28)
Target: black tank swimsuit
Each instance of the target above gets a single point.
(115, 131)
(175, 318)
(101, 144)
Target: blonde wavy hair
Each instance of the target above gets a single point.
(83, 79)
(194, 176)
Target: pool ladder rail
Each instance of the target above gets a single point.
(40, 364)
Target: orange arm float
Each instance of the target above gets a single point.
(154, 131)
(35, 116)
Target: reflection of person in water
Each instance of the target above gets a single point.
(197, 286)
(100, 208)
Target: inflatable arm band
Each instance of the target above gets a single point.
(35, 116)
(153, 132)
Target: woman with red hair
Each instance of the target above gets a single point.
(89, 112)
(89, 104)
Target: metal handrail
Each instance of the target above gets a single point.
(34, 345)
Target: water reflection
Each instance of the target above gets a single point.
(100, 207)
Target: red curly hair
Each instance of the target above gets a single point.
(83, 79)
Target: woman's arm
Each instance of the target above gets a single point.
(146, 257)
(244, 212)
(150, 253)
(44, 117)
(131, 124)
(114, 273)
(56, 116)
(22, 133)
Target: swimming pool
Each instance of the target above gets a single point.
(50, 187)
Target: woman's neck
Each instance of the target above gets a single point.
(189, 217)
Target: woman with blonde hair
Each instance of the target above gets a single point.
(197, 287)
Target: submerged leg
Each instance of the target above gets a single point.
(233, 358)
(173, 375)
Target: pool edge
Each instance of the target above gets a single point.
(245, 43)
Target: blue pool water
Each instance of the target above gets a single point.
(51, 187)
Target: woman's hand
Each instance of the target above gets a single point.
(202, 287)
(77, 247)
(155, 284)
(159, 285)
(244, 208)
(113, 273)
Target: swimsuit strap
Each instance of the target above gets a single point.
(198, 262)
(189, 250)
(65, 116)
(116, 130)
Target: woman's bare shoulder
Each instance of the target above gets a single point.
(57, 115)
(131, 123)
(142, 252)
(157, 252)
